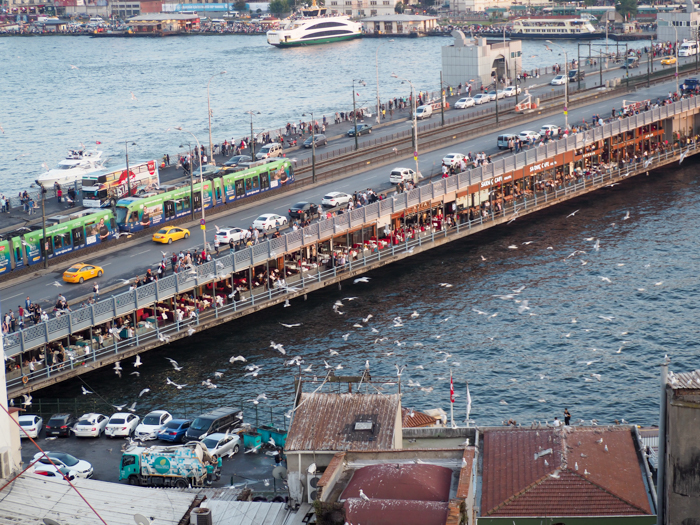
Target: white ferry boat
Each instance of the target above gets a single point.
(314, 27)
(551, 28)
(77, 164)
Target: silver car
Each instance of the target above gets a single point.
(222, 444)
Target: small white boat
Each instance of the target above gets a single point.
(74, 167)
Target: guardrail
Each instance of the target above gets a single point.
(121, 304)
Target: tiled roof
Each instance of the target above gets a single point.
(327, 422)
(592, 480)
(417, 419)
(381, 511)
(465, 474)
(685, 380)
(396, 481)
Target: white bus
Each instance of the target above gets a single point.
(106, 187)
(687, 49)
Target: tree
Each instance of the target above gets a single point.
(626, 8)
(399, 8)
(279, 7)
(240, 6)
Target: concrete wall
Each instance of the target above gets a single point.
(474, 62)
(683, 457)
(685, 24)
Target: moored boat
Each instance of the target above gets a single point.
(77, 164)
(314, 27)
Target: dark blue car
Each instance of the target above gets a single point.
(175, 430)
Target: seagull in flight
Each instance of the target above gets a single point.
(237, 358)
(86, 391)
(572, 214)
(118, 368)
(133, 97)
(179, 387)
(627, 216)
(137, 362)
(361, 280)
(174, 363)
(278, 347)
(606, 279)
(290, 325)
(144, 391)
(445, 285)
(74, 67)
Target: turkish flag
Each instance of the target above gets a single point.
(97, 142)
(452, 390)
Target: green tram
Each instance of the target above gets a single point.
(137, 213)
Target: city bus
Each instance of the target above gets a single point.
(137, 213)
(104, 188)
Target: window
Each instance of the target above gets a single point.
(334, 3)
(373, 12)
(240, 189)
(373, 2)
(385, 2)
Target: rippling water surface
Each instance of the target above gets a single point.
(525, 366)
(50, 106)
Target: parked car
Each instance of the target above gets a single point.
(668, 61)
(220, 420)
(511, 90)
(236, 160)
(559, 80)
(121, 424)
(230, 233)
(82, 468)
(503, 140)
(527, 136)
(690, 84)
(269, 220)
(453, 158)
(335, 198)
(303, 209)
(631, 63)
(81, 272)
(31, 426)
(362, 129)
(576, 74)
(464, 103)
(550, 130)
(320, 140)
(60, 425)
(493, 95)
(169, 234)
(90, 425)
(152, 424)
(220, 445)
(481, 98)
(401, 175)
(272, 149)
(50, 471)
(174, 430)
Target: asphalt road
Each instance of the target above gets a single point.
(135, 258)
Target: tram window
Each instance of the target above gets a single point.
(249, 184)
(46, 246)
(169, 207)
(61, 241)
(256, 182)
(186, 203)
(264, 180)
(240, 189)
(78, 237)
(134, 216)
(113, 223)
(197, 200)
(218, 192)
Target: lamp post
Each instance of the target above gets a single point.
(676, 30)
(252, 138)
(313, 148)
(415, 124)
(354, 109)
(566, 84)
(128, 175)
(189, 145)
(201, 189)
(376, 62)
(211, 146)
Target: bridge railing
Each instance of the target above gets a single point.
(126, 302)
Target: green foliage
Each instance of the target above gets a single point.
(626, 7)
(399, 8)
(240, 6)
(279, 7)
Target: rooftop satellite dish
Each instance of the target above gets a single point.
(279, 472)
(312, 468)
(49, 521)
(140, 519)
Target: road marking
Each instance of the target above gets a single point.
(249, 217)
(6, 298)
(140, 253)
(279, 207)
(106, 264)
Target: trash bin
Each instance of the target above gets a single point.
(252, 440)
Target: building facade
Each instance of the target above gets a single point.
(362, 8)
(398, 25)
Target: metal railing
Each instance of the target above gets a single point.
(165, 288)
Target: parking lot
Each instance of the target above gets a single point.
(105, 456)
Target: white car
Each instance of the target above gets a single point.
(481, 98)
(50, 471)
(220, 445)
(335, 198)
(527, 136)
(268, 221)
(493, 94)
(559, 80)
(401, 175)
(90, 425)
(153, 423)
(550, 129)
(82, 468)
(453, 158)
(230, 233)
(121, 424)
(31, 426)
(464, 103)
(511, 90)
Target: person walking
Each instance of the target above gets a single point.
(567, 417)
(96, 292)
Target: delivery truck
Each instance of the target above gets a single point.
(169, 466)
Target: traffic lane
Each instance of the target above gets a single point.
(134, 260)
(104, 454)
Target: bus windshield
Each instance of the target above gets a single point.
(121, 214)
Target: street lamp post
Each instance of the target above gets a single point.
(189, 145)
(566, 84)
(354, 109)
(128, 175)
(415, 123)
(376, 62)
(676, 30)
(201, 189)
(211, 146)
(252, 138)
(313, 148)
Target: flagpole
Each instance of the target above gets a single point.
(469, 403)
(452, 401)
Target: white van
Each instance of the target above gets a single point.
(269, 150)
(424, 112)
(687, 49)
(401, 175)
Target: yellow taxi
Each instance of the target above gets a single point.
(170, 233)
(668, 61)
(81, 272)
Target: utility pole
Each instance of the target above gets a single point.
(43, 227)
(496, 95)
(313, 147)
(354, 111)
(649, 62)
(128, 178)
(578, 64)
(442, 99)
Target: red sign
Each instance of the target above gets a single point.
(151, 166)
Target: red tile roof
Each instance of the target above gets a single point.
(592, 481)
(393, 512)
(465, 474)
(395, 481)
(418, 419)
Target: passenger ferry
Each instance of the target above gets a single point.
(550, 28)
(314, 28)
